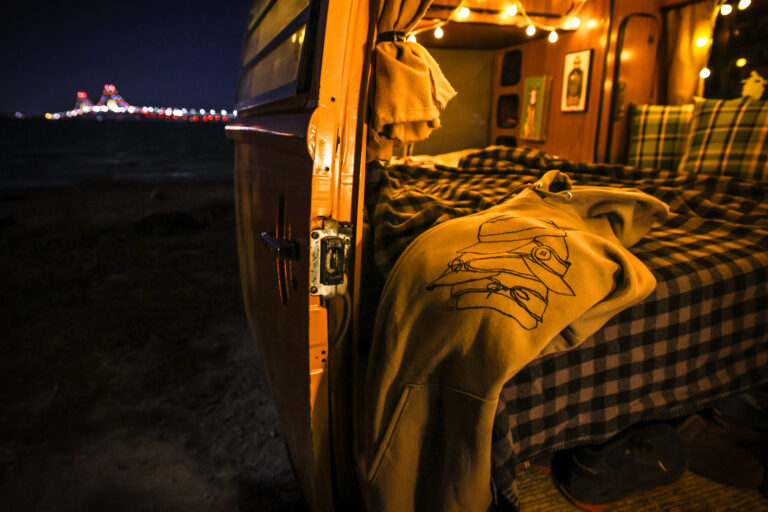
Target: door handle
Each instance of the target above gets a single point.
(281, 248)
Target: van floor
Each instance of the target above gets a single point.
(692, 493)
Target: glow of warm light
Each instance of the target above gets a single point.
(48, 115)
(438, 33)
(575, 22)
(627, 55)
(552, 37)
(411, 38)
(702, 42)
(530, 30)
(743, 4)
(726, 9)
(464, 12)
(740, 63)
(511, 10)
(704, 73)
(592, 24)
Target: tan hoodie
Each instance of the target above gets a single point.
(469, 303)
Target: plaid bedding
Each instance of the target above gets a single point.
(701, 335)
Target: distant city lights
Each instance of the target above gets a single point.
(111, 102)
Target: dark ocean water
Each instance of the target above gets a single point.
(36, 152)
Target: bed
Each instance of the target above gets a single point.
(701, 334)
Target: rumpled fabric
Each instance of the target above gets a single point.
(408, 89)
(467, 305)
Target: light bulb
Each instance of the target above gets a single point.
(511, 10)
(726, 9)
(743, 4)
(438, 33)
(530, 30)
(591, 24)
(704, 73)
(740, 63)
(575, 22)
(702, 42)
(552, 37)
(464, 12)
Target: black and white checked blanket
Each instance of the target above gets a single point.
(702, 334)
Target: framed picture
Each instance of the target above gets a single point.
(535, 107)
(576, 81)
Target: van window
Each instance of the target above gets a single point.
(280, 14)
(272, 51)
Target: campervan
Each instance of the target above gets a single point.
(423, 330)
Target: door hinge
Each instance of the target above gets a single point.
(330, 250)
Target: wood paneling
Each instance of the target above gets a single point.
(634, 76)
(582, 136)
(568, 133)
(638, 70)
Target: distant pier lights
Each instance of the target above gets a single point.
(112, 106)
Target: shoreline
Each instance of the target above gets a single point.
(130, 378)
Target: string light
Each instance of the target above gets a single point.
(740, 63)
(743, 4)
(552, 37)
(573, 22)
(726, 9)
(569, 21)
(591, 24)
(411, 38)
(702, 42)
(704, 73)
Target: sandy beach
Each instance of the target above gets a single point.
(129, 378)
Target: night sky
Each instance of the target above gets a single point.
(168, 53)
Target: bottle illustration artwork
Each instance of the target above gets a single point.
(575, 84)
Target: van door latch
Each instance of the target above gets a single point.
(330, 250)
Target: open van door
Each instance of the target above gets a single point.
(298, 156)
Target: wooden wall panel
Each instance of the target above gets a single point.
(567, 133)
(638, 69)
(635, 79)
(582, 135)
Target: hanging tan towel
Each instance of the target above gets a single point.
(408, 88)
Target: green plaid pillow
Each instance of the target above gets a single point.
(657, 135)
(728, 137)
